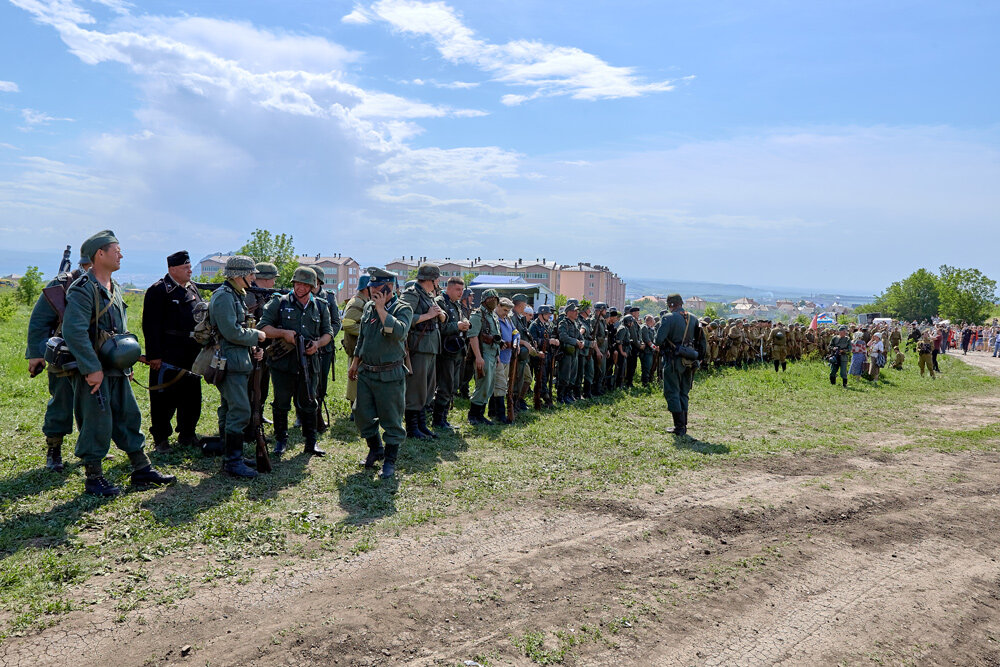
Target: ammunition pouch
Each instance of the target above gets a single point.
(279, 349)
(58, 357)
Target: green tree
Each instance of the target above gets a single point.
(279, 249)
(561, 300)
(966, 294)
(802, 318)
(469, 277)
(8, 304)
(29, 286)
(916, 297)
(711, 312)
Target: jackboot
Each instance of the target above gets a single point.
(412, 430)
(309, 434)
(833, 380)
(233, 462)
(280, 431)
(321, 424)
(683, 424)
(588, 389)
(776, 364)
(500, 410)
(53, 453)
(441, 418)
(845, 383)
(376, 452)
(161, 446)
(389, 463)
(678, 426)
(476, 416)
(422, 425)
(784, 366)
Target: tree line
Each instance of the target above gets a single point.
(960, 295)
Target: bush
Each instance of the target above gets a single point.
(8, 305)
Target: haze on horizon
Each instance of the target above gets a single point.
(774, 144)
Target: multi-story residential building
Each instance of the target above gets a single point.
(592, 282)
(340, 273)
(539, 270)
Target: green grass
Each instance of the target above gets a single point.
(156, 546)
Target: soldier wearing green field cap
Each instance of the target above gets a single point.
(379, 368)
(424, 344)
(328, 356)
(647, 340)
(453, 346)
(45, 322)
(484, 340)
(568, 333)
(95, 328)
(229, 316)
(526, 349)
(298, 314)
(583, 386)
(599, 327)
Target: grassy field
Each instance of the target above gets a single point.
(53, 538)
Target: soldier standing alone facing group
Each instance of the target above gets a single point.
(682, 344)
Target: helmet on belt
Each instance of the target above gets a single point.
(120, 351)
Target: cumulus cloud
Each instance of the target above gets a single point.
(243, 126)
(8, 87)
(545, 69)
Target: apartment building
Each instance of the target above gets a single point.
(593, 282)
(341, 273)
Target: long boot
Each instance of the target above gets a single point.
(309, 434)
(776, 365)
(491, 408)
(588, 392)
(784, 366)
(412, 431)
(440, 420)
(233, 463)
(376, 452)
(683, 423)
(833, 379)
(501, 410)
(422, 425)
(678, 425)
(845, 383)
(53, 453)
(389, 463)
(280, 431)
(321, 424)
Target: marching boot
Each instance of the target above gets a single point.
(833, 380)
(845, 383)
(389, 463)
(477, 416)
(568, 392)
(491, 408)
(53, 453)
(309, 434)
(280, 431)
(784, 366)
(422, 425)
(501, 410)
(412, 431)
(321, 424)
(233, 463)
(776, 364)
(678, 427)
(438, 420)
(96, 485)
(150, 476)
(683, 424)
(376, 452)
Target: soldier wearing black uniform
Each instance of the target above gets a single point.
(167, 323)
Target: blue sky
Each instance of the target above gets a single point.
(825, 145)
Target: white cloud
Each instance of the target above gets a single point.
(357, 17)
(9, 87)
(454, 85)
(32, 117)
(546, 69)
(240, 126)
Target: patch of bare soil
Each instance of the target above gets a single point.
(807, 560)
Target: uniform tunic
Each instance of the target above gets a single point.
(449, 364)
(647, 337)
(485, 321)
(352, 327)
(227, 312)
(381, 348)
(42, 325)
(311, 321)
(120, 420)
(424, 343)
(167, 323)
(328, 354)
(568, 332)
(678, 328)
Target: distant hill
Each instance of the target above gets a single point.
(637, 287)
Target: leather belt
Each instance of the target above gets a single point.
(379, 368)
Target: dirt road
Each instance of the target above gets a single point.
(870, 558)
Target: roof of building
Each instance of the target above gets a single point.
(471, 263)
(325, 259)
